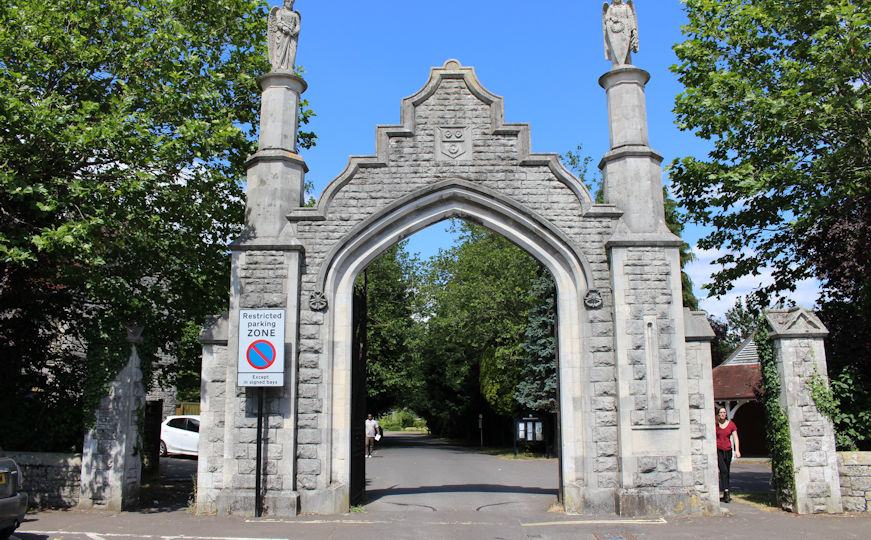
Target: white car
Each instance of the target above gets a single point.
(180, 435)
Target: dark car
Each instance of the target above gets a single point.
(13, 503)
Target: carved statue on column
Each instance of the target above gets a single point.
(620, 27)
(282, 37)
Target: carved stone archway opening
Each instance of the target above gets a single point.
(463, 200)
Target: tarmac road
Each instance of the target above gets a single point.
(415, 472)
(422, 489)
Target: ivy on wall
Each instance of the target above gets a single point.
(777, 424)
(850, 422)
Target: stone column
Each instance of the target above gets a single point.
(214, 401)
(798, 346)
(658, 451)
(266, 268)
(631, 171)
(111, 463)
(276, 174)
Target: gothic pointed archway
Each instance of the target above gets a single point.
(634, 401)
(460, 199)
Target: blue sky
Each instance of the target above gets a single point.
(543, 58)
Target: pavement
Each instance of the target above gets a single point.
(419, 488)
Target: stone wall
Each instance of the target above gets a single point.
(855, 473)
(51, 480)
(165, 394)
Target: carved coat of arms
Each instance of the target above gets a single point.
(454, 143)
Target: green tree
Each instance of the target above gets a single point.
(474, 303)
(125, 127)
(538, 385)
(389, 282)
(740, 321)
(720, 348)
(781, 89)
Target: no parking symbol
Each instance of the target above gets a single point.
(261, 347)
(261, 354)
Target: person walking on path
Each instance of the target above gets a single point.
(372, 429)
(727, 433)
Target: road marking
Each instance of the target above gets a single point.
(657, 521)
(318, 521)
(366, 522)
(102, 536)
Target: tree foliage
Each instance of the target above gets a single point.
(125, 127)
(720, 348)
(782, 90)
(475, 299)
(389, 282)
(538, 387)
(740, 322)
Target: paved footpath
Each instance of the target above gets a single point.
(421, 489)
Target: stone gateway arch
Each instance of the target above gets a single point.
(636, 400)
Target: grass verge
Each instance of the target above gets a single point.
(764, 500)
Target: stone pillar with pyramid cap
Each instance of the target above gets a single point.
(111, 460)
(666, 449)
(800, 354)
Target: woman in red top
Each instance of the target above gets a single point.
(727, 431)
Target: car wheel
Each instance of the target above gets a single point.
(163, 451)
(6, 533)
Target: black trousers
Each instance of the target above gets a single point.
(724, 463)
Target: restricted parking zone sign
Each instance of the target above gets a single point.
(261, 347)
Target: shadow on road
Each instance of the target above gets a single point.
(173, 490)
(373, 495)
(398, 439)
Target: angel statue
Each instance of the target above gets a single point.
(620, 27)
(281, 37)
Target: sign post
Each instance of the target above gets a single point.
(261, 364)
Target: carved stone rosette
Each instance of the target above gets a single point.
(593, 300)
(317, 301)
